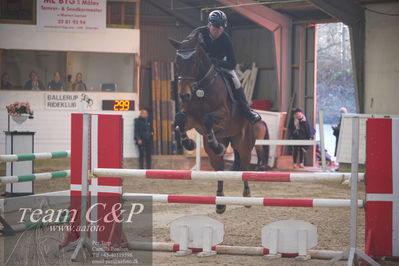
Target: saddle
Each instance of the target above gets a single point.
(228, 80)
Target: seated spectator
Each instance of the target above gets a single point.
(79, 85)
(68, 84)
(34, 83)
(56, 84)
(5, 82)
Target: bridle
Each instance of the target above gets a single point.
(186, 54)
(205, 81)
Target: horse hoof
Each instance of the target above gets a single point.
(189, 144)
(220, 209)
(220, 150)
(246, 193)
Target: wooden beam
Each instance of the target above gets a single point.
(357, 37)
(181, 11)
(346, 10)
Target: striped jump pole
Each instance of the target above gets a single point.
(225, 249)
(225, 175)
(213, 200)
(34, 177)
(34, 156)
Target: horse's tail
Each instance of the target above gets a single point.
(262, 132)
(266, 148)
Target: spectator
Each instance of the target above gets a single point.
(5, 82)
(56, 84)
(34, 83)
(143, 136)
(337, 128)
(300, 129)
(68, 84)
(79, 85)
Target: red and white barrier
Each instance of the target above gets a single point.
(224, 175)
(230, 250)
(275, 202)
(382, 187)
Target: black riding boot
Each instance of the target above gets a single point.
(249, 114)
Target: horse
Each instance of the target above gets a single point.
(209, 107)
(262, 151)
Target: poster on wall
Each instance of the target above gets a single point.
(71, 15)
(69, 101)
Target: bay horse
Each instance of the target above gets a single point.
(209, 107)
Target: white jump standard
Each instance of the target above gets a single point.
(224, 175)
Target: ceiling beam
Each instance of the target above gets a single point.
(183, 12)
(346, 10)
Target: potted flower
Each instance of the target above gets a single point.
(19, 111)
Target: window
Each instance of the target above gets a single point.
(17, 11)
(93, 69)
(122, 14)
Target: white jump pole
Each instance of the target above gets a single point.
(34, 177)
(224, 175)
(245, 201)
(225, 249)
(34, 156)
(197, 165)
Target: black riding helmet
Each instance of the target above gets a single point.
(218, 19)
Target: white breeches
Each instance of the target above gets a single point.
(236, 81)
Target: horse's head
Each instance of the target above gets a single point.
(191, 62)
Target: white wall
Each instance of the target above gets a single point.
(52, 127)
(26, 37)
(382, 60)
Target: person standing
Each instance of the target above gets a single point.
(143, 133)
(337, 128)
(300, 129)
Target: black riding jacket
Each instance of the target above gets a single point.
(220, 50)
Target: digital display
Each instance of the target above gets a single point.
(118, 105)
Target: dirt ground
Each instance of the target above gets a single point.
(242, 225)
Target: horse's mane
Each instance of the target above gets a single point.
(192, 39)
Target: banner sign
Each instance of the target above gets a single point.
(71, 15)
(68, 101)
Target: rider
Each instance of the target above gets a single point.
(218, 45)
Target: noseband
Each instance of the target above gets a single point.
(198, 86)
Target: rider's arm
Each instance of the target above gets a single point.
(229, 61)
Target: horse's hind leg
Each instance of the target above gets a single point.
(218, 165)
(180, 123)
(244, 144)
(238, 167)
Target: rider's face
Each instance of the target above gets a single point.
(215, 32)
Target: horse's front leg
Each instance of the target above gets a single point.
(209, 120)
(180, 124)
